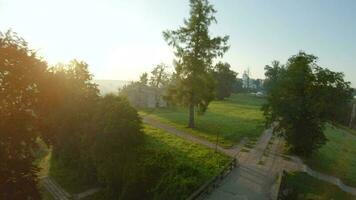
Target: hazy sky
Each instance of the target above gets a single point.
(121, 39)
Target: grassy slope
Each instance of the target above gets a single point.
(338, 156)
(184, 151)
(237, 117)
(308, 187)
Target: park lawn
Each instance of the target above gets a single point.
(233, 119)
(306, 187)
(338, 156)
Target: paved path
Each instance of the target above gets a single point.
(258, 169)
(324, 177)
(230, 152)
(87, 193)
(54, 189)
(58, 193)
(249, 181)
(245, 182)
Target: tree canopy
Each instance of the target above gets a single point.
(302, 97)
(21, 80)
(225, 79)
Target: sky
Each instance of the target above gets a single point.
(120, 39)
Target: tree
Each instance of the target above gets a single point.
(272, 75)
(302, 97)
(70, 119)
(225, 79)
(195, 50)
(159, 76)
(21, 72)
(159, 79)
(119, 134)
(238, 85)
(144, 79)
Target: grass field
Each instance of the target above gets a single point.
(234, 118)
(193, 164)
(305, 187)
(338, 156)
(204, 158)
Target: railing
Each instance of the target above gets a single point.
(213, 183)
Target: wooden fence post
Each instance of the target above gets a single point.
(352, 115)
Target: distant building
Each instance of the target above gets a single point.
(143, 96)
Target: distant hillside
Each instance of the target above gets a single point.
(110, 86)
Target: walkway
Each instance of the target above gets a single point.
(229, 152)
(58, 193)
(248, 181)
(55, 190)
(254, 179)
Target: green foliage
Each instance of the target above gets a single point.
(301, 186)
(225, 79)
(70, 120)
(159, 81)
(144, 79)
(301, 97)
(238, 86)
(273, 74)
(237, 117)
(195, 50)
(119, 135)
(69, 177)
(159, 76)
(167, 167)
(21, 80)
(337, 157)
(173, 168)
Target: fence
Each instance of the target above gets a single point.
(213, 183)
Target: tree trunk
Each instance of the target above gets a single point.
(191, 116)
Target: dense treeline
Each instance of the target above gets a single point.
(98, 137)
(62, 106)
(157, 89)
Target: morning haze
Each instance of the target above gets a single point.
(193, 99)
(260, 32)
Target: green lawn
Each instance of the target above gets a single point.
(338, 156)
(234, 118)
(305, 187)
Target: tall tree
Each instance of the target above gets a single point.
(76, 97)
(225, 79)
(302, 98)
(20, 87)
(159, 79)
(195, 50)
